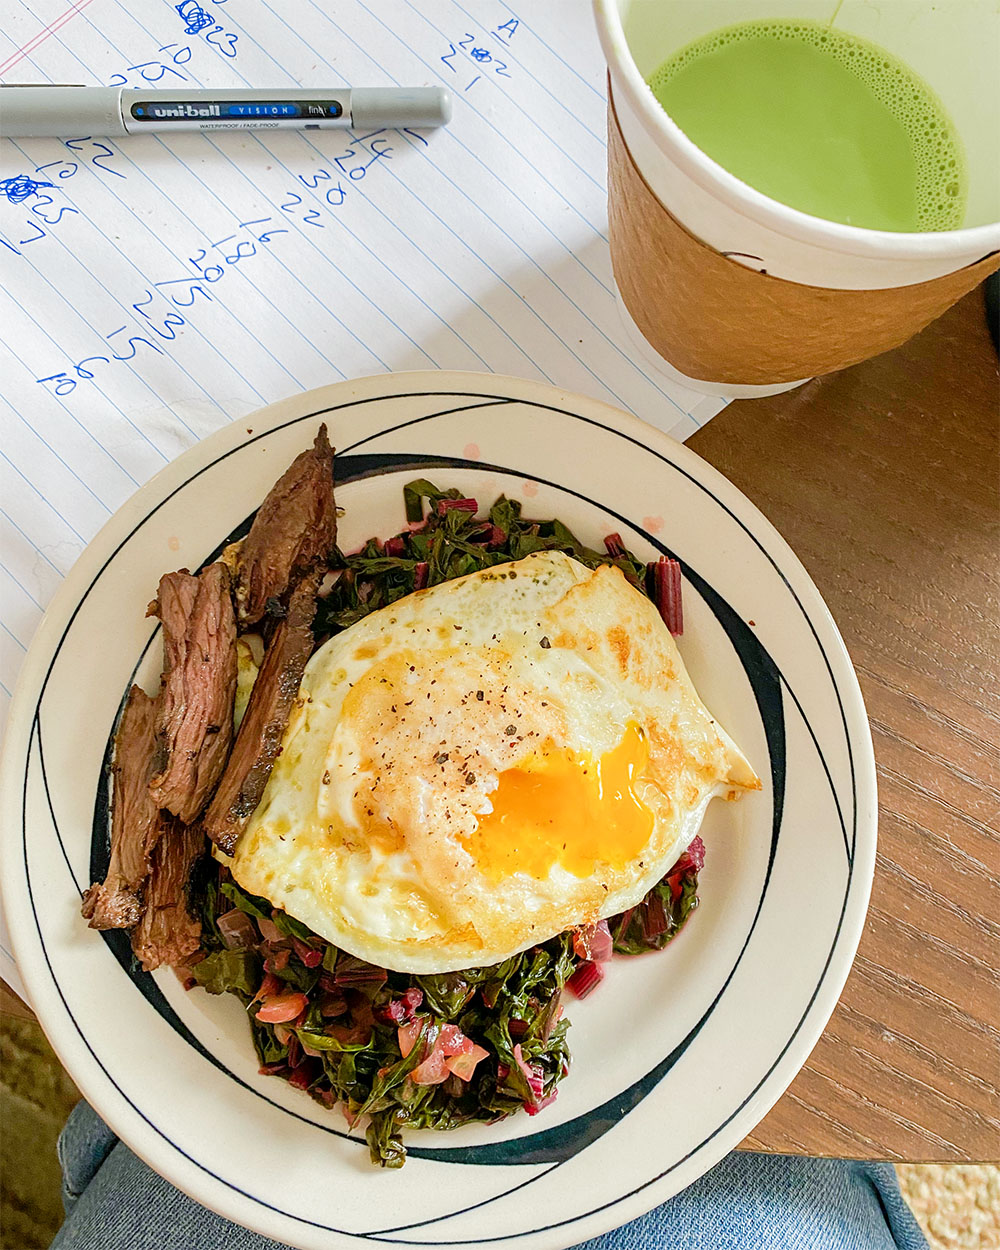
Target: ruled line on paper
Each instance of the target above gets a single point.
(313, 147)
(31, 486)
(520, 149)
(527, 120)
(532, 32)
(381, 362)
(606, 287)
(511, 28)
(161, 286)
(171, 328)
(156, 288)
(32, 44)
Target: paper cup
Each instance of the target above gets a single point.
(784, 302)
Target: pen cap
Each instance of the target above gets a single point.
(60, 112)
(392, 106)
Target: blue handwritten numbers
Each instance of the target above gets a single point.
(331, 185)
(156, 71)
(154, 330)
(474, 49)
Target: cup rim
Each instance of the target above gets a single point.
(968, 243)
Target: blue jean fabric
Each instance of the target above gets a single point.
(747, 1202)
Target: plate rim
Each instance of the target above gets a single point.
(56, 1019)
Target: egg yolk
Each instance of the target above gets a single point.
(565, 807)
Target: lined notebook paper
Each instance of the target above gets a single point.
(157, 288)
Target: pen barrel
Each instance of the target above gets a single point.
(60, 112)
(65, 112)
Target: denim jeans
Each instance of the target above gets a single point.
(747, 1202)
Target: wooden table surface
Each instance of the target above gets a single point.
(884, 480)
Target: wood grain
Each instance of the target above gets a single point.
(884, 479)
(12, 1005)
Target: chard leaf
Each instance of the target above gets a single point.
(298, 976)
(391, 1077)
(223, 970)
(515, 1003)
(267, 1046)
(385, 1144)
(324, 1041)
(259, 908)
(414, 493)
(290, 927)
(446, 993)
(506, 513)
(371, 566)
(341, 1069)
(631, 931)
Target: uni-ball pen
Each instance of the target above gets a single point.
(114, 112)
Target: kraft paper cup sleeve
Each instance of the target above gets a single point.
(716, 320)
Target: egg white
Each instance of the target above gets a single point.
(405, 722)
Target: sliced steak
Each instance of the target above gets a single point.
(167, 933)
(136, 822)
(194, 727)
(262, 728)
(294, 530)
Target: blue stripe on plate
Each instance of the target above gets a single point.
(490, 399)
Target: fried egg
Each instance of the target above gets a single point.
(485, 764)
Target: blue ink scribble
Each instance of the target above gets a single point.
(195, 17)
(20, 188)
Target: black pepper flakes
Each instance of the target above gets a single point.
(510, 730)
(470, 779)
(544, 644)
(441, 757)
(480, 695)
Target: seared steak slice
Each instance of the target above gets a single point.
(262, 728)
(167, 933)
(136, 823)
(294, 529)
(194, 727)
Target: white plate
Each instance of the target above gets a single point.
(678, 1055)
